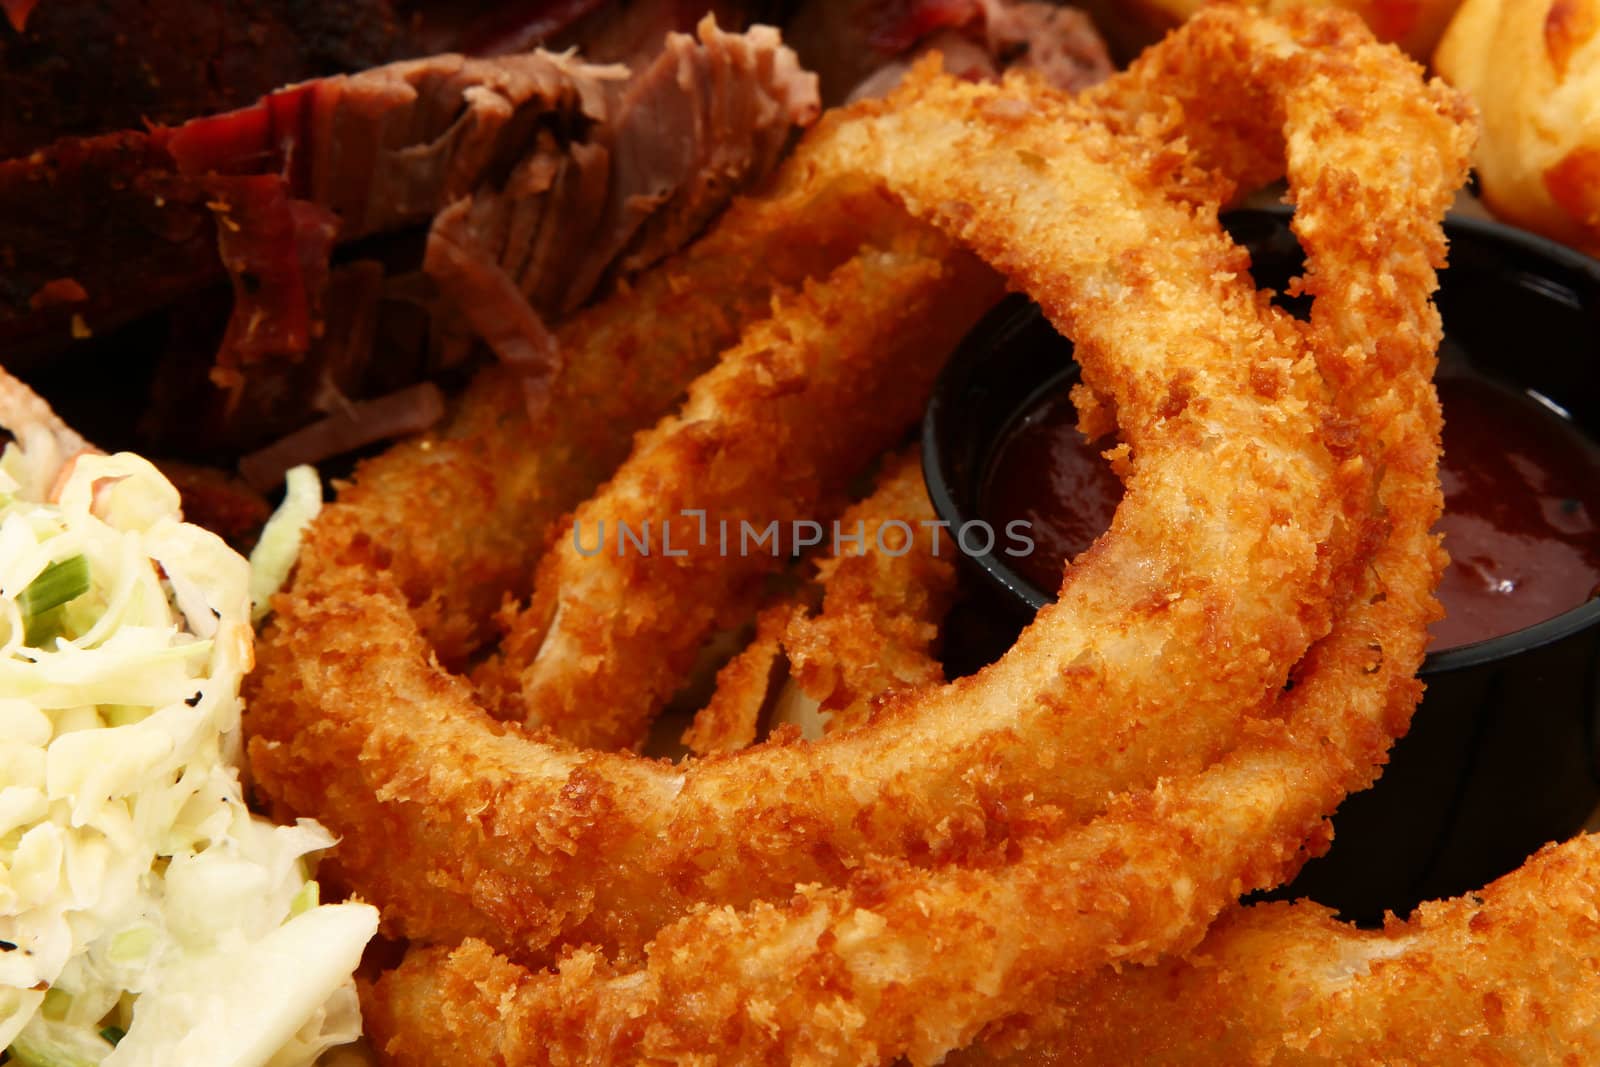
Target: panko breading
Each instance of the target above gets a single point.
(1504, 975)
(1106, 789)
(878, 603)
(1414, 25)
(462, 516)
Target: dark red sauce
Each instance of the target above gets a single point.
(1047, 474)
(1522, 499)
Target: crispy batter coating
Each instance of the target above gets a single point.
(732, 718)
(879, 601)
(1414, 25)
(670, 836)
(771, 437)
(904, 962)
(1505, 975)
(910, 962)
(893, 888)
(525, 844)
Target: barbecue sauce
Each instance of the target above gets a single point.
(1522, 500)
(1046, 473)
(1521, 503)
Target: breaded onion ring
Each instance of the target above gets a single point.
(894, 887)
(535, 844)
(914, 962)
(1504, 975)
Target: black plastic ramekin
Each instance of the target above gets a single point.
(1502, 755)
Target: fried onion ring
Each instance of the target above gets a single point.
(1504, 975)
(912, 962)
(895, 886)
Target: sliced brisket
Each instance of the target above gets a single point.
(541, 176)
(860, 48)
(276, 251)
(410, 410)
(1059, 43)
(390, 147)
(708, 116)
(735, 99)
(382, 149)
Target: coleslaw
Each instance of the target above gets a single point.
(146, 917)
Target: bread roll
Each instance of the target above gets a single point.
(1533, 66)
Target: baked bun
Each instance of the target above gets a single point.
(1533, 66)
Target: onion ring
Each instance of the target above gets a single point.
(1502, 975)
(1268, 460)
(872, 971)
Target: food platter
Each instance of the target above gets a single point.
(619, 678)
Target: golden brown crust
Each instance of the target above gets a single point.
(905, 961)
(1504, 975)
(770, 437)
(711, 829)
(878, 626)
(872, 631)
(731, 719)
(1105, 790)
(491, 487)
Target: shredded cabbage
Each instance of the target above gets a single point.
(275, 552)
(146, 917)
